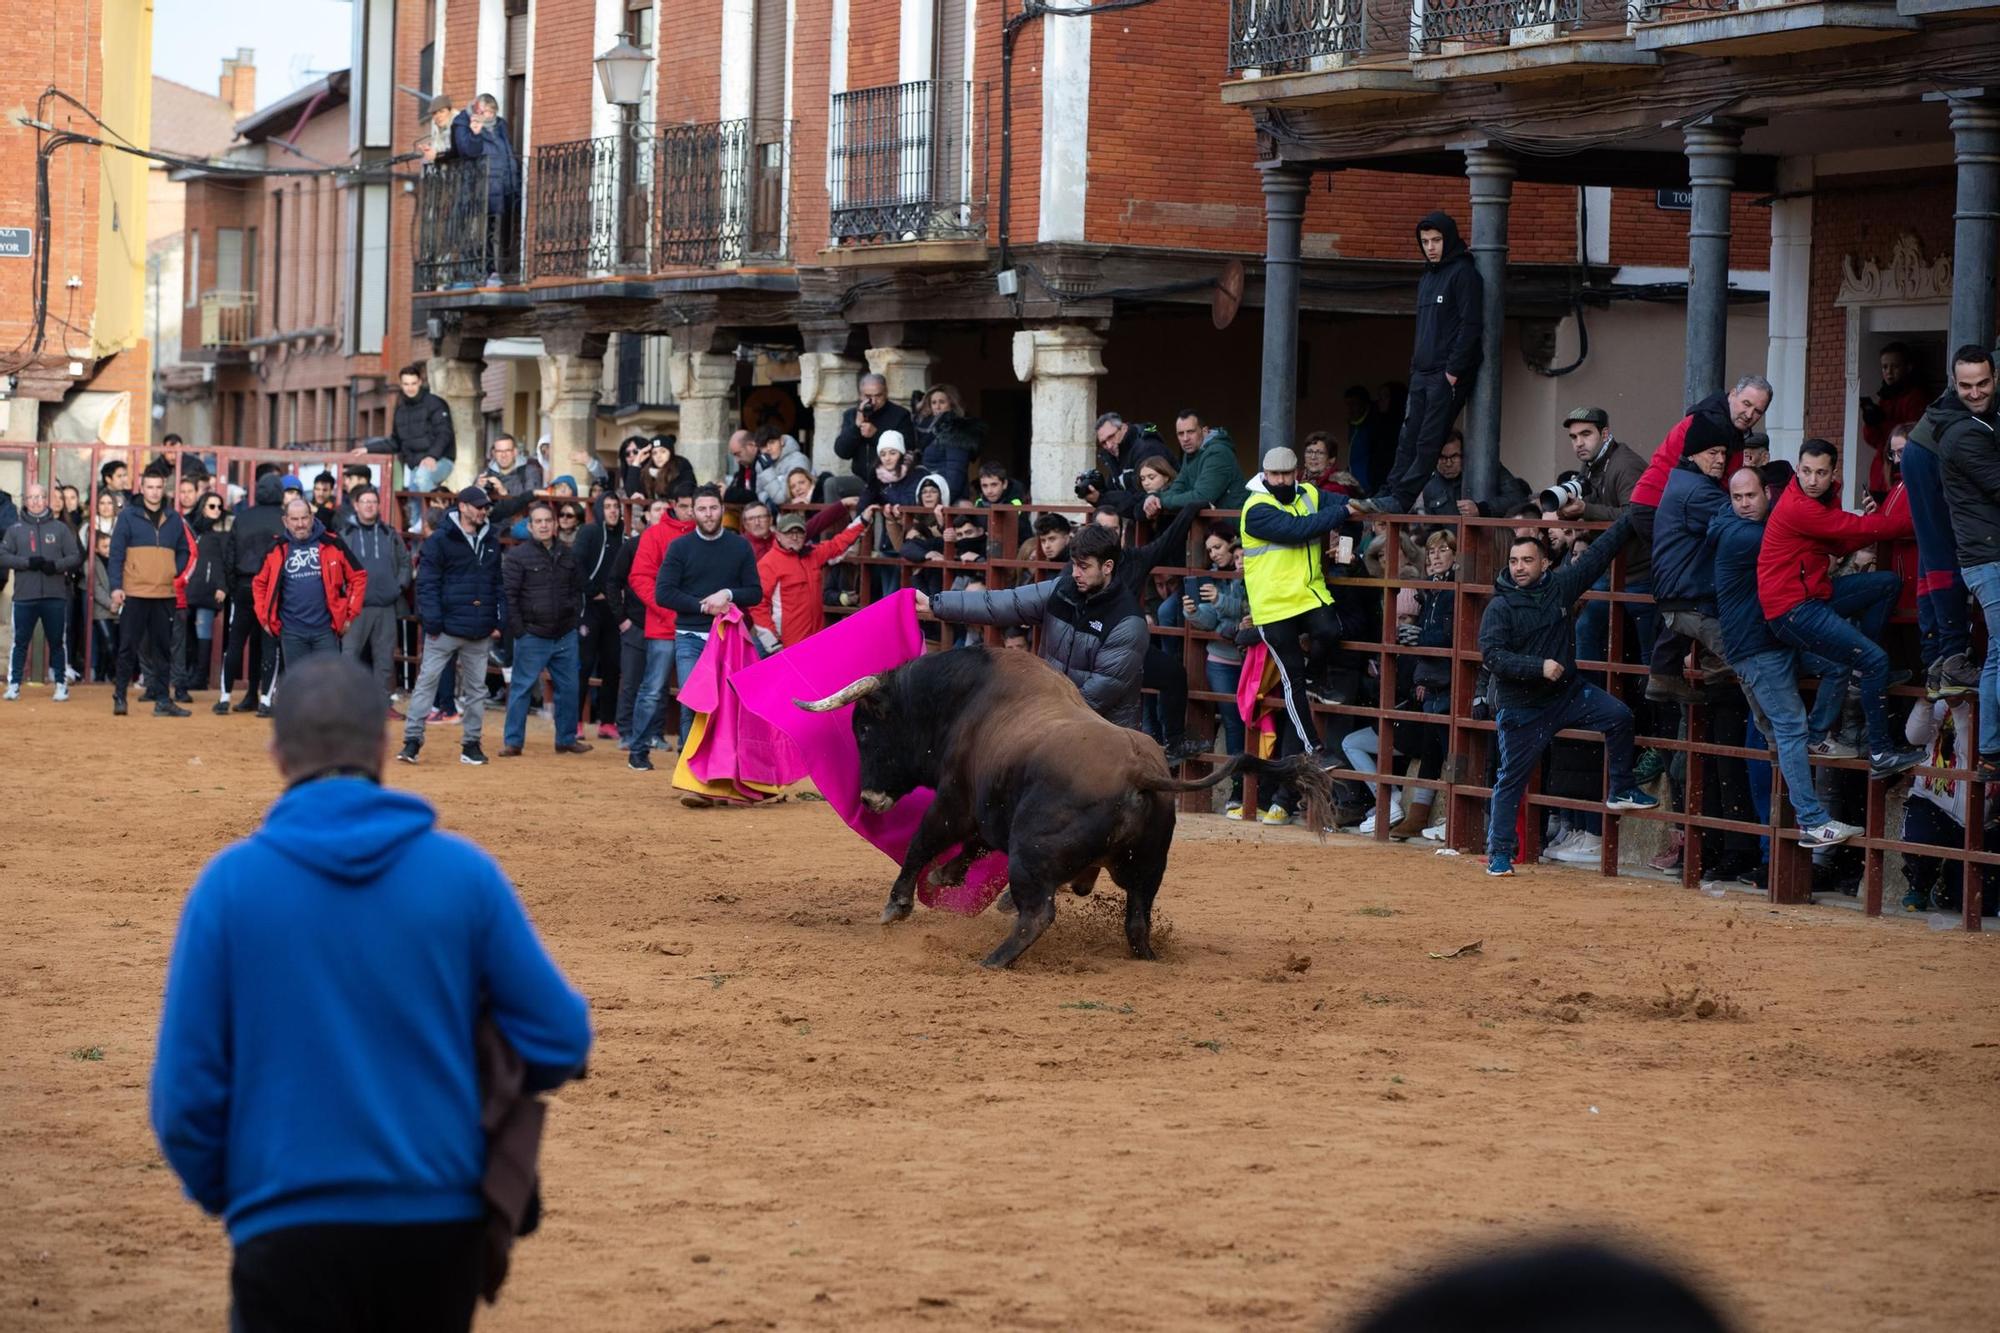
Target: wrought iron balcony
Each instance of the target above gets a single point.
(679, 196)
(1513, 22)
(468, 231)
(1287, 35)
(228, 319)
(905, 161)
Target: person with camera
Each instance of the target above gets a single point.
(1527, 640)
(864, 423)
(1121, 447)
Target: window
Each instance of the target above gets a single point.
(639, 23)
(277, 264)
(514, 99)
(229, 259)
(193, 275)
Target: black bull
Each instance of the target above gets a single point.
(1021, 765)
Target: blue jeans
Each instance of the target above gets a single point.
(1223, 678)
(425, 476)
(649, 712)
(1771, 682)
(1845, 631)
(1593, 624)
(532, 655)
(1525, 734)
(1984, 580)
(51, 614)
(1942, 618)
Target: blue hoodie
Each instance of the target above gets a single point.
(315, 1061)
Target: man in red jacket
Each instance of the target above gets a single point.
(1837, 619)
(793, 608)
(647, 713)
(309, 588)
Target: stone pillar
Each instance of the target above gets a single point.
(572, 383)
(1711, 155)
(1284, 214)
(1791, 307)
(1491, 174)
(908, 370)
(828, 387)
(1061, 364)
(455, 379)
(703, 383)
(1975, 132)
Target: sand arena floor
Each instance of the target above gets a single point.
(796, 1119)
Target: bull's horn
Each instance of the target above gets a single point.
(865, 686)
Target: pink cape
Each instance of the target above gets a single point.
(737, 745)
(879, 637)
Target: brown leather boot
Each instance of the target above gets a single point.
(1416, 818)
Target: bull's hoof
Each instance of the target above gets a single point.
(896, 909)
(1144, 953)
(995, 962)
(1005, 902)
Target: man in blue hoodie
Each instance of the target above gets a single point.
(1443, 360)
(315, 1082)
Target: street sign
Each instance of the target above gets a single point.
(1674, 201)
(16, 242)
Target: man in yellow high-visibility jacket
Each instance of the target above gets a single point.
(1284, 526)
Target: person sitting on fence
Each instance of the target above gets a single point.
(1817, 614)
(1960, 428)
(1093, 630)
(1209, 477)
(420, 435)
(1527, 639)
(1767, 669)
(1683, 576)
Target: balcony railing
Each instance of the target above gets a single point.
(468, 224)
(1289, 35)
(1513, 22)
(680, 196)
(228, 319)
(904, 163)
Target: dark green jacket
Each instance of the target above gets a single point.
(1210, 479)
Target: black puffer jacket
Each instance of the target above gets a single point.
(1524, 627)
(1969, 454)
(422, 429)
(859, 450)
(544, 589)
(213, 571)
(1450, 307)
(1099, 642)
(257, 528)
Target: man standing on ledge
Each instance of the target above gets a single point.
(1450, 308)
(324, 1099)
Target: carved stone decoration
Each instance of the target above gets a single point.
(1905, 278)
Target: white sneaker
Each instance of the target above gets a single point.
(1435, 833)
(1580, 849)
(1367, 825)
(61, 696)
(1557, 843)
(1832, 749)
(13, 691)
(1830, 834)
(71, 675)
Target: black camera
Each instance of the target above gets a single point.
(1086, 482)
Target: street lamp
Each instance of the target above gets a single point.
(621, 72)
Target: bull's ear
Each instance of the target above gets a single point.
(872, 704)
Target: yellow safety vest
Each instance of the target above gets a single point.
(1282, 581)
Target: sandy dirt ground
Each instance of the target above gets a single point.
(796, 1119)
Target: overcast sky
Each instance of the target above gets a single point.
(296, 41)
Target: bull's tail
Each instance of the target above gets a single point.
(1300, 771)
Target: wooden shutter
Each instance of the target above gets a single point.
(767, 96)
(948, 104)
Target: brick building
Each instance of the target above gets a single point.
(74, 362)
(1036, 209)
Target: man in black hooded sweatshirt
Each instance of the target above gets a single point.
(1450, 305)
(250, 658)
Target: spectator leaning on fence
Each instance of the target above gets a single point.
(1962, 424)
(544, 592)
(1683, 576)
(1284, 527)
(149, 547)
(461, 604)
(1093, 628)
(1766, 668)
(778, 456)
(1209, 476)
(41, 552)
(309, 589)
(1527, 640)
(384, 557)
(1817, 614)
(324, 1099)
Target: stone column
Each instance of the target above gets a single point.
(1491, 173)
(455, 378)
(908, 370)
(572, 384)
(1061, 364)
(703, 383)
(828, 386)
(1711, 155)
(1975, 132)
(1284, 214)
(1791, 307)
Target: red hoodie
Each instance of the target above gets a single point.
(1653, 481)
(646, 562)
(1802, 536)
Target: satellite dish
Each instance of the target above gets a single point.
(1228, 294)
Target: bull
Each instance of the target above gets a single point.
(1020, 764)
